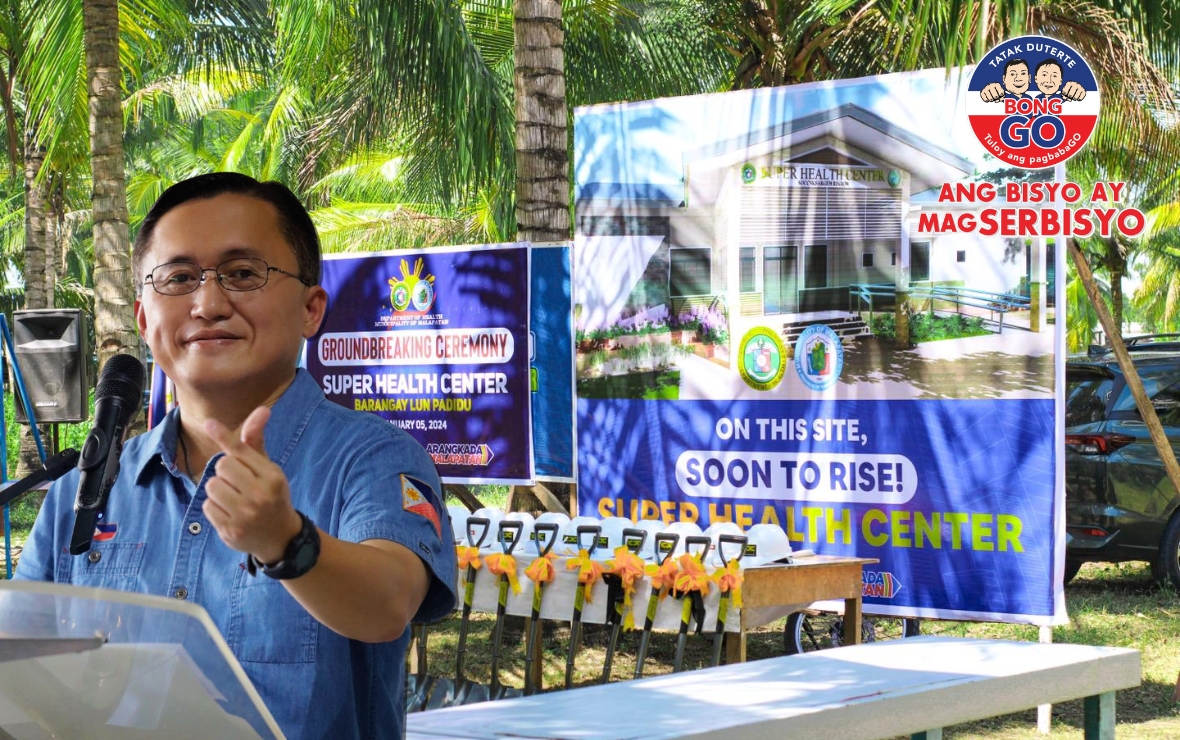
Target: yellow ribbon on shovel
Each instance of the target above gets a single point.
(589, 571)
(543, 569)
(663, 576)
(729, 580)
(692, 576)
(629, 568)
(503, 564)
(468, 557)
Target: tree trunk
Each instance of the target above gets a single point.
(54, 226)
(36, 241)
(542, 147)
(36, 205)
(114, 294)
(542, 154)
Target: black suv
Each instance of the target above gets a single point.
(1120, 504)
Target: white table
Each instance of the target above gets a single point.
(864, 692)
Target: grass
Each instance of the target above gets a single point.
(1109, 605)
(653, 385)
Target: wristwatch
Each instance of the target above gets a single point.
(301, 554)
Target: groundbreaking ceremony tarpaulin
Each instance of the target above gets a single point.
(764, 335)
(435, 341)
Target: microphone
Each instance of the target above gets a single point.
(116, 399)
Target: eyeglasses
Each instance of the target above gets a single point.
(240, 275)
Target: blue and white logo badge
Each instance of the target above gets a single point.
(819, 357)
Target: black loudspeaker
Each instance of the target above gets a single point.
(50, 350)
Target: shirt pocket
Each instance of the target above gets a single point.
(267, 624)
(106, 565)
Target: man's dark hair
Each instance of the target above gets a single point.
(1013, 63)
(1046, 63)
(294, 221)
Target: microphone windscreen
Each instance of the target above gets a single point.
(122, 377)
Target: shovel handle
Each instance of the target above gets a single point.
(665, 545)
(731, 539)
(634, 539)
(510, 531)
(700, 542)
(552, 529)
(591, 529)
(478, 523)
(530, 687)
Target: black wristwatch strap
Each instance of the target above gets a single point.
(300, 556)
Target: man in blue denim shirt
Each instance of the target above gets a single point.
(312, 534)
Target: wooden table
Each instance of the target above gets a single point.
(771, 592)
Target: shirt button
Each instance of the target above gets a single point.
(181, 593)
(194, 528)
(94, 556)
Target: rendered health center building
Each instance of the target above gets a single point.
(781, 222)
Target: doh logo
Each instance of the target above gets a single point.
(412, 293)
(879, 585)
(1033, 102)
(763, 359)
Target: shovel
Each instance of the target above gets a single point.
(691, 601)
(418, 686)
(534, 638)
(723, 604)
(633, 539)
(508, 541)
(447, 693)
(665, 545)
(579, 601)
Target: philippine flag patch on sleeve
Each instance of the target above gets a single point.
(418, 498)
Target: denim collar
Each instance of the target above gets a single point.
(288, 419)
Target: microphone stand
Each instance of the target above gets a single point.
(54, 468)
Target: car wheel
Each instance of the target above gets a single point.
(808, 631)
(1166, 567)
(1071, 570)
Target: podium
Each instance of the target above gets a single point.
(87, 663)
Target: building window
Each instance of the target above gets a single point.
(815, 266)
(748, 278)
(961, 255)
(919, 261)
(623, 226)
(690, 273)
(866, 259)
(893, 259)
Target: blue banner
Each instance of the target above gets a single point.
(550, 312)
(948, 495)
(435, 341)
(766, 334)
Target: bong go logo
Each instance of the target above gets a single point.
(1033, 102)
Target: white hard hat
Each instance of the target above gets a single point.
(731, 550)
(684, 530)
(514, 537)
(546, 530)
(611, 536)
(483, 528)
(571, 541)
(651, 526)
(766, 543)
(458, 516)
